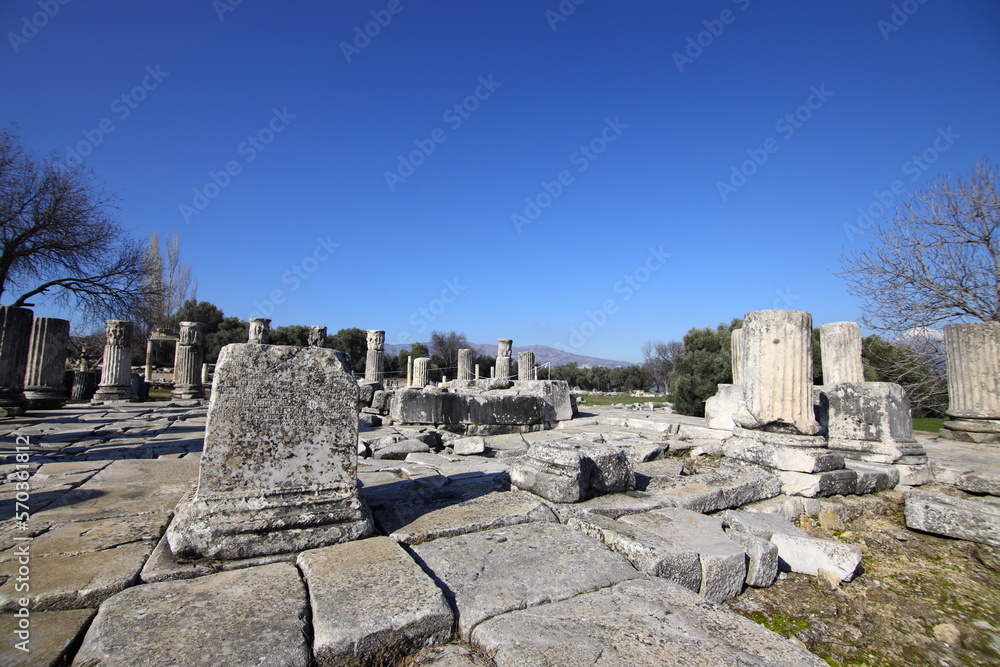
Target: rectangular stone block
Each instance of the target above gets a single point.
(973, 519)
(829, 483)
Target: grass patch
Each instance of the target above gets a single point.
(611, 399)
(786, 626)
(928, 424)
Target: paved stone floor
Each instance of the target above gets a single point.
(86, 494)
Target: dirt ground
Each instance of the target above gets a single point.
(919, 600)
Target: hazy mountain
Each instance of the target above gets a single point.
(543, 354)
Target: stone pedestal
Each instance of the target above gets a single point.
(187, 362)
(421, 377)
(841, 352)
(504, 346)
(465, 364)
(525, 366)
(279, 468)
(973, 351)
(374, 359)
(260, 330)
(45, 378)
(777, 373)
(869, 421)
(317, 336)
(15, 336)
(737, 349)
(116, 373)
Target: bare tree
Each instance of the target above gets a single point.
(658, 360)
(917, 362)
(60, 239)
(445, 347)
(168, 282)
(936, 259)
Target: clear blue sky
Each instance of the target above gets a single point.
(631, 139)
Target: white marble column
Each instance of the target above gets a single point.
(737, 351)
(465, 364)
(840, 343)
(187, 362)
(116, 372)
(973, 351)
(420, 372)
(375, 357)
(260, 329)
(526, 365)
(504, 346)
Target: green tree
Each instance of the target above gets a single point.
(705, 364)
(292, 334)
(354, 342)
(231, 330)
(201, 311)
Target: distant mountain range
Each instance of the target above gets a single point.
(543, 354)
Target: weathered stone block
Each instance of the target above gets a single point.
(868, 420)
(568, 472)
(783, 457)
(807, 554)
(278, 472)
(762, 558)
(973, 519)
(719, 409)
(367, 595)
(829, 483)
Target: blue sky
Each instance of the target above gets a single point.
(588, 176)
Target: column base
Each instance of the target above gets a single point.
(187, 392)
(13, 404)
(980, 431)
(113, 394)
(46, 399)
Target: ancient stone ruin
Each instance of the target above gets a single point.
(973, 351)
(116, 372)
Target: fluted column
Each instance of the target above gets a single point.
(260, 329)
(973, 351)
(187, 362)
(526, 365)
(15, 335)
(317, 336)
(504, 346)
(409, 371)
(375, 357)
(465, 364)
(840, 343)
(777, 372)
(737, 350)
(420, 372)
(116, 372)
(45, 377)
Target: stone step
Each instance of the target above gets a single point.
(976, 519)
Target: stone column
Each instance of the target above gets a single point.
(149, 359)
(15, 335)
(204, 374)
(317, 336)
(260, 328)
(973, 351)
(477, 372)
(420, 368)
(187, 362)
(465, 364)
(116, 373)
(777, 373)
(45, 378)
(373, 362)
(409, 371)
(737, 351)
(840, 343)
(503, 358)
(525, 366)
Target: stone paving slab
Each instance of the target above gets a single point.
(972, 518)
(76, 537)
(367, 595)
(256, 616)
(53, 636)
(163, 566)
(643, 622)
(78, 581)
(493, 572)
(126, 487)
